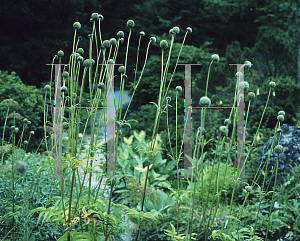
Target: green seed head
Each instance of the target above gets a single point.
(142, 33)
(106, 44)
(205, 101)
(245, 84)
(130, 23)
(101, 17)
(47, 88)
(25, 120)
(25, 142)
(77, 25)
(101, 86)
(281, 113)
(278, 149)
(227, 121)
(80, 59)
(16, 130)
(278, 130)
(65, 126)
(178, 89)
(215, 57)
(163, 44)
(94, 16)
(120, 34)
(60, 53)
(64, 89)
(31, 132)
(87, 63)
(239, 74)
(153, 40)
(176, 30)
(280, 118)
(251, 95)
(12, 128)
(248, 64)
(189, 29)
(223, 130)
(272, 84)
(122, 69)
(80, 51)
(65, 74)
(113, 41)
(171, 31)
(28, 122)
(201, 128)
(110, 61)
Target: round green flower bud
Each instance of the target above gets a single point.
(106, 44)
(21, 167)
(280, 118)
(121, 40)
(25, 120)
(163, 44)
(227, 121)
(65, 74)
(31, 132)
(113, 41)
(178, 88)
(77, 25)
(239, 74)
(95, 16)
(101, 86)
(278, 130)
(215, 57)
(153, 40)
(80, 59)
(278, 149)
(130, 23)
(142, 33)
(272, 84)
(25, 142)
(203, 130)
(47, 88)
(80, 51)
(176, 30)
(248, 64)
(189, 29)
(245, 84)
(110, 61)
(60, 53)
(122, 69)
(223, 130)
(171, 31)
(168, 99)
(101, 17)
(65, 126)
(205, 101)
(64, 89)
(281, 113)
(251, 95)
(12, 128)
(16, 130)
(120, 34)
(28, 122)
(87, 63)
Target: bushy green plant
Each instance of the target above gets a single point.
(26, 101)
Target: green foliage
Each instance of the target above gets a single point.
(132, 164)
(29, 104)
